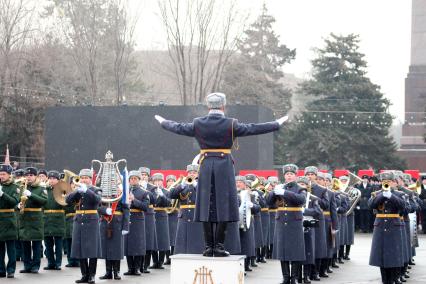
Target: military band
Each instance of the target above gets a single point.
(307, 222)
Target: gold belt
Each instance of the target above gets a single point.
(160, 209)
(203, 153)
(7, 210)
(70, 215)
(32, 209)
(188, 206)
(264, 209)
(135, 210)
(273, 210)
(82, 212)
(290, 209)
(151, 206)
(387, 216)
(326, 213)
(54, 211)
(118, 213)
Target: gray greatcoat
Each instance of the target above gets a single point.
(386, 246)
(135, 240)
(217, 197)
(189, 234)
(289, 224)
(150, 230)
(321, 250)
(86, 241)
(112, 240)
(162, 220)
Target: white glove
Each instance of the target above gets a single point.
(183, 183)
(387, 194)
(108, 211)
(124, 232)
(82, 188)
(1, 191)
(19, 205)
(159, 192)
(160, 119)
(194, 184)
(255, 194)
(281, 120)
(279, 190)
(250, 204)
(27, 193)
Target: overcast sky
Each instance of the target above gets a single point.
(384, 27)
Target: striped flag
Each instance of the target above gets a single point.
(125, 179)
(7, 157)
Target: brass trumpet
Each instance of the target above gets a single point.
(416, 187)
(386, 186)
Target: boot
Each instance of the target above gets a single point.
(323, 268)
(271, 250)
(137, 264)
(219, 248)
(161, 256)
(340, 255)
(154, 254)
(348, 249)
(130, 265)
(294, 272)
(285, 269)
(306, 273)
(92, 270)
(108, 274)
(333, 262)
(253, 261)
(315, 270)
(384, 275)
(146, 260)
(116, 268)
(263, 254)
(208, 238)
(328, 261)
(167, 258)
(246, 265)
(84, 268)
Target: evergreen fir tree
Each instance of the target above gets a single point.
(346, 125)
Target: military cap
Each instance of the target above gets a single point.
(344, 177)
(42, 172)
(365, 176)
(54, 174)
(171, 177)
(135, 174)
(240, 178)
(85, 173)
(145, 170)
(328, 176)
(157, 176)
(321, 175)
(6, 168)
(192, 167)
(303, 179)
(250, 177)
(248, 183)
(216, 100)
(290, 168)
(30, 171)
(19, 173)
(273, 179)
(311, 169)
(387, 176)
(262, 180)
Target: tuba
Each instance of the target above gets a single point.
(245, 210)
(63, 187)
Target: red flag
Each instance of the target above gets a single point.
(7, 157)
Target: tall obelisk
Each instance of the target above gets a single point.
(413, 147)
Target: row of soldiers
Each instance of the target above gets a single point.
(153, 226)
